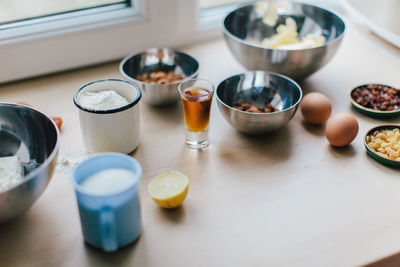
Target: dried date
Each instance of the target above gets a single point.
(377, 97)
(248, 107)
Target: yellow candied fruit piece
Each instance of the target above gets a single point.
(381, 135)
(378, 142)
(371, 145)
(382, 154)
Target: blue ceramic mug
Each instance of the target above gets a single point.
(109, 220)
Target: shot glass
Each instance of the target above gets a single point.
(196, 97)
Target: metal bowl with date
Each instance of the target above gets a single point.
(259, 88)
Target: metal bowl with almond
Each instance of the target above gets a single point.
(157, 72)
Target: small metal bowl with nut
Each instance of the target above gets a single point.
(157, 72)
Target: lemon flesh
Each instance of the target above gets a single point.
(169, 189)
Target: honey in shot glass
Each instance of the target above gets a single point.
(196, 104)
(196, 99)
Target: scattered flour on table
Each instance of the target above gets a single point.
(66, 164)
(101, 100)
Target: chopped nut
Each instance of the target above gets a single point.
(159, 77)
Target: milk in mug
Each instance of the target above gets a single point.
(109, 208)
(109, 181)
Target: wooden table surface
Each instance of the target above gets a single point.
(285, 199)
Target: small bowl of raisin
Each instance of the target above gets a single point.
(376, 100)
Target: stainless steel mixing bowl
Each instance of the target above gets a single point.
(259, 88)
(245, 23)
(159, 59)
(34, 138)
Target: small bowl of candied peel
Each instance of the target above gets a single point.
(383, 144)
(376, 100)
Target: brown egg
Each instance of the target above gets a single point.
(341, 129)
(316, 108)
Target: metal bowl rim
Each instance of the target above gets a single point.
(79, 188)
(127, 77)
(50, 158)
(264, 72)
(242, 41)
(108, 111)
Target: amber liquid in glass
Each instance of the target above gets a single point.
(196, 104)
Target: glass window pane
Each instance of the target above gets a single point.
(216, 3)
(17, 10)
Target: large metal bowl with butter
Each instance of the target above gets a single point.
(244, 29)
(33, 137)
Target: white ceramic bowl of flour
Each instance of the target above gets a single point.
(109, 115)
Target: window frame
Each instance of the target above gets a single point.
(69, 41)
(67, 22)
(62, 43)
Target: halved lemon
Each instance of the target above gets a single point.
(169, 189)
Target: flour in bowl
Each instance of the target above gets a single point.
(11, 172)
(101, 100)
